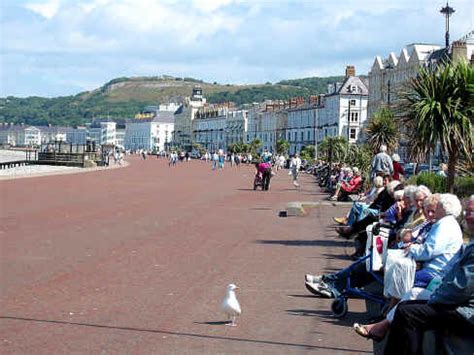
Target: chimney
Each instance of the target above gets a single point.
(350, 71)
(459, 51)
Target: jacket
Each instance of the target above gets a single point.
(457, 286)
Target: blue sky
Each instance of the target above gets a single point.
(63, 47)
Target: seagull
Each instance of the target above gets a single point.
(230, 305)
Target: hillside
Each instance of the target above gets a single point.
(121, 98)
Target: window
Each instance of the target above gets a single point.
(354, 116)
(352, 133)
(302, 135)
(352, 102)
(308, 137)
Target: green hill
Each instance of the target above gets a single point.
(121, 98)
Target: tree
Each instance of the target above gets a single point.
(282, 147)
(440, 106)
(382, 129)
(307, 153)
(255, 146)
(334, 148)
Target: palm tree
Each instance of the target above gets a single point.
(282, 146)
(441, 109)
(334, 148)
(382, 129)
(255, 145)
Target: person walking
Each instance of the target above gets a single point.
(295, 165)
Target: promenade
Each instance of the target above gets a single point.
(137, 259)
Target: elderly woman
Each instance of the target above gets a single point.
(398, 171)
(454, 276)
(350, 186)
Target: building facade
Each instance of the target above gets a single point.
(343, 111)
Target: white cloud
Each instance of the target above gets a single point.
(235, 41)
(46, 9)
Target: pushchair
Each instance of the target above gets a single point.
(258, 181)
(376, 251)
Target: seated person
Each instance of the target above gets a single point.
(441, 243)
(361, 207)
(449, 306)
(351, 185)
(383, 201)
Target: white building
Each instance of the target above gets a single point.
(151, 134)
(208, 128)
(77, 135)
(267, 123)
(236, 126)
(301, 127)
(343, 111)
(184, 117)
(390, 75)
(20, 135)
(103, 132)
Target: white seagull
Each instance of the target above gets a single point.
(230, 305)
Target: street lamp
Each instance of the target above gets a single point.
(447, 11)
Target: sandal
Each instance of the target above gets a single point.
(365, 333)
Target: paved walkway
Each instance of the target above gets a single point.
(136, 260)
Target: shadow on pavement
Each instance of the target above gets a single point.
(194, 335)
(348, 320)
(305, 243)
(223, 322)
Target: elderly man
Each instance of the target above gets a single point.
(382, 163)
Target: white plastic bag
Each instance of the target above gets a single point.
(378, 245)
(399, 274)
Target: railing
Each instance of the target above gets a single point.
(55, 158)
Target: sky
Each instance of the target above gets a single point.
(55, 48)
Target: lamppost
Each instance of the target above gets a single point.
(388, 67)
(447, 11)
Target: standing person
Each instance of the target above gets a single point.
(295, 165)
(215, 159)
(398, 171)
(232, 159)
(281, 162)
(382, 163)
(221, 159)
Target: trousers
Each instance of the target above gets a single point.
(412, 318)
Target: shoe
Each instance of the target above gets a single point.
(340, 220)
(313, 278)
(333, 198)
(365, 333)
(319, 289)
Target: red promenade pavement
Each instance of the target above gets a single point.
(136, 260)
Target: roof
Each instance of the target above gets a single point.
(347, 87)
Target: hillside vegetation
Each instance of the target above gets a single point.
(121, 98)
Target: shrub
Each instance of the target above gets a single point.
(464, 186)
(434, 182)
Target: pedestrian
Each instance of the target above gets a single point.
(398, 171)
(295, 165)
(215, 160)
(382, 163)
